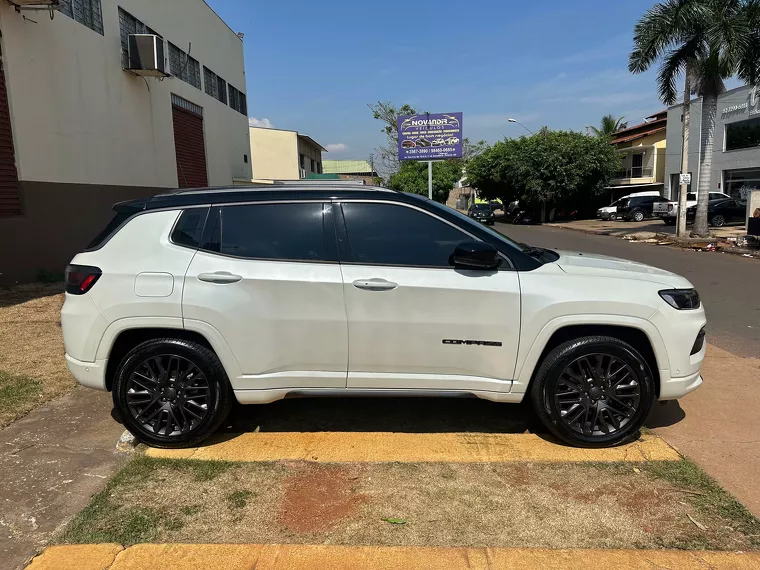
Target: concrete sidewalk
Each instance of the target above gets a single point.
(319, 557)
(718, 426)
(620, 228)
(52, 462)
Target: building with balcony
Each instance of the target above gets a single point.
(736, 146)
(83, 125)
(642, 150)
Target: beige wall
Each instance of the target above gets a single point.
(79, 118)
(274, 154)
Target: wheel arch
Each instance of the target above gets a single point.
(638, 333)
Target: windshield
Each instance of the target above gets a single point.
(481, 207)
(465, 219)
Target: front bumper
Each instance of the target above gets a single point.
(675, 388)
(88, 374)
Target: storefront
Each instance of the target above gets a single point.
(736, 149)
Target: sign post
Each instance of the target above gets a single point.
(428, 137)
(430, 179)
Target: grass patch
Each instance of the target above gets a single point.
(707, 496)
(108, 519)
(239, 499)
(32, 349)
(18, 394)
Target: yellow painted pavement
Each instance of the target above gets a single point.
(413, 447)
(321, 557)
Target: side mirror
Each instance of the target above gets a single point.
(475, 255)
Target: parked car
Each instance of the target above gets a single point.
(721, 212)
(482, 212)
(452, 141)
(439, 142)
(190, 300)
(423, 142)
(637, 208)
(496, 205)
(611, 212)
(408, 144)
(669, 211)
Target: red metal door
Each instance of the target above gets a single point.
(190, 148)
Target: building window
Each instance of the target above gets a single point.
(743, 134)
(313, 165)
(183, 66)
(86, 12)
(238, 101)
(302, 161)
(214, 85)
(319, 168)
(129, 25)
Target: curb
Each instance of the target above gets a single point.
(319, 557)
(677, 242)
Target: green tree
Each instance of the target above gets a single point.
(713, 40)
(413, 177)
(551, 167)
(387, 113)
(608, 126)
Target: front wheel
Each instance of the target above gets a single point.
(638, 216)
(171, 392)
(613, 217)
(593, 391)
(718, 221)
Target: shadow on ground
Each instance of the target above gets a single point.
(405, 415)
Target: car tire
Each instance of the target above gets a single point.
(638, 216)
(172, 384)
(718, 221)
(609, 396)
(613, 217)
(669, 221)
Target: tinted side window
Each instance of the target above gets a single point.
(189, 227)
(274, 231)
(390, 234)
(108, 232)
(691, 197)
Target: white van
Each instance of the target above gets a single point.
(610, 212)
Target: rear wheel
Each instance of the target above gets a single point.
(593, 391)
(171, 392)
(669, 221)
(638, 216)
(718, 221)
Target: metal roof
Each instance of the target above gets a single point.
(346, 166)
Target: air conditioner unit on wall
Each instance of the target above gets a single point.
(146, 55)
(303, 173)
(35, 4)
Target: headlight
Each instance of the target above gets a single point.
(681, 298)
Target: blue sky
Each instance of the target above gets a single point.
(314, 67)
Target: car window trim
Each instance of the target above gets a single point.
(329, 252)
(203, 229)
(347, 254)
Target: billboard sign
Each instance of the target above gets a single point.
(430, 136)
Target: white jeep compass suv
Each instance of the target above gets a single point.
(189, 300)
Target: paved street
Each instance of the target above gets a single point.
(725, 282)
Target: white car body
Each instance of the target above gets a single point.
(670, 209)
(286, 327)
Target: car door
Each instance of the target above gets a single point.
(267, 282)
(415, 321)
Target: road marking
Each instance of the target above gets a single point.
(307, 557)
(350, 447)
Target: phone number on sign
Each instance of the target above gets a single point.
(429, 150)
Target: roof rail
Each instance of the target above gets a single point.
(283, 185)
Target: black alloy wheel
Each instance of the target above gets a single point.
(593, 391)
(718, 220)
(171, 392)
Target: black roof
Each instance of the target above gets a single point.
(263, 193)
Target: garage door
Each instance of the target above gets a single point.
(10, 201)
(189, 145)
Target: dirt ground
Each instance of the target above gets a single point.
(646, 505)
(32, 367)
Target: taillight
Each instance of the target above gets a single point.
(81, 278)
(670, 207)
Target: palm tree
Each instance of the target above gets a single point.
(715, 40)
(608, 126)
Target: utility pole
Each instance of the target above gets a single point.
(430, 179)
(684, 188)
(372, 168)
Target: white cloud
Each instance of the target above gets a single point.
(336, 147)
(264, 123)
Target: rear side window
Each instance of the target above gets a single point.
(189, 227)
(293, 232)
(390, 234)
(691, 197)
(107, 233)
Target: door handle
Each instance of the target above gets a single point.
(219, 277)
(375, 284)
